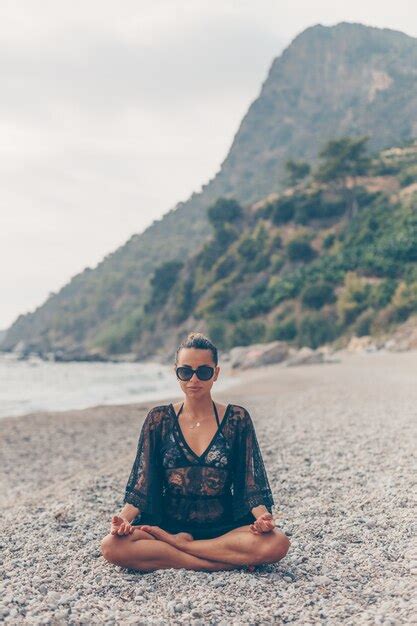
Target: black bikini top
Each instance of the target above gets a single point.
(215, 412)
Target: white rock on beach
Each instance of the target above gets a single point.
(258, 354)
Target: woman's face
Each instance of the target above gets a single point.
(196, 388)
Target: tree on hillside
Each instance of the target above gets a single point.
(162, 281)
(225, 216)
(296, 171)
(224, 211)
(343, 160)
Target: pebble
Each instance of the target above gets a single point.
(288, 579)
(321, 580)
(219, 583)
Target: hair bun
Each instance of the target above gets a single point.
(200, 341)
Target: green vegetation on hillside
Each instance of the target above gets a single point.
(334, 255)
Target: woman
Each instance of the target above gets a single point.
(198, 495)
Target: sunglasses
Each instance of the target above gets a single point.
(185, 372)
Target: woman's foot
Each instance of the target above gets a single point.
(186, 536)
(177, 540)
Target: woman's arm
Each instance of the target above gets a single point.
(251, 489)
(143, 491)
(257, 511)
(129, 512)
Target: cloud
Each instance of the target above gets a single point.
(83, 69)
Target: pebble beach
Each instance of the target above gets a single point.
(338, 441)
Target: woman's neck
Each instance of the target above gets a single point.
(198, 407)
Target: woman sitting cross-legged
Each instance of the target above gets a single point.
(198, 495)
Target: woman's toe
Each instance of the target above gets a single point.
(186, 536)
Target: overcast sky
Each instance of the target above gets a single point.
(112, 112)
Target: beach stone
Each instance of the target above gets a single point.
(305, 356)
(322, 580)
(357, 344)
(259, 354)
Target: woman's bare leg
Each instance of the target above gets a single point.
(239, 547)
(132, 552)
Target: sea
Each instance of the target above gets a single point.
(31, 385)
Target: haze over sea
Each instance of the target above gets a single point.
(27, 386)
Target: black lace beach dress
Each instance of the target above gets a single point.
(205, 495)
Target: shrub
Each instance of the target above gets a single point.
(260, 288)
(246, 332)
(276, 243)
(225, 266)
(225, 235)
(217, 331)
(251, 306)
(328, 241)
(363, 323)
(261, 262)
(163, 280)
(317, 295)
(408, 176)
(299, 249)
(282, 210)
(296, 171)
(248, 248)
(381, 293)
(183, 301)
(404, 301)
(315, 329)
(317, 206)
(283, 288)
(119, 338)
(209, 254)
(353, 299)
(283, 330)
(277, 262)
(224, 211)
(220, 296)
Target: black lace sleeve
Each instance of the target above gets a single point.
(144, 486)
(250, 482)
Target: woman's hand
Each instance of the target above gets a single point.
(263, 524)
(120, 526)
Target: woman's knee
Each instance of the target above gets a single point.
(275, 549)
(112, 547)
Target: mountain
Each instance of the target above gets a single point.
(347, 79)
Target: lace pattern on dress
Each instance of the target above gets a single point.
(169, 483)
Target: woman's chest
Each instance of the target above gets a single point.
(176, 451)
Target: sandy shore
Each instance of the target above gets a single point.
(338, 442)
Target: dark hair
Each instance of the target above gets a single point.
(200, 341)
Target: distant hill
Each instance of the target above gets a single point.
(348, 79)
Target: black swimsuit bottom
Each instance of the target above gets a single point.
(201, 533)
